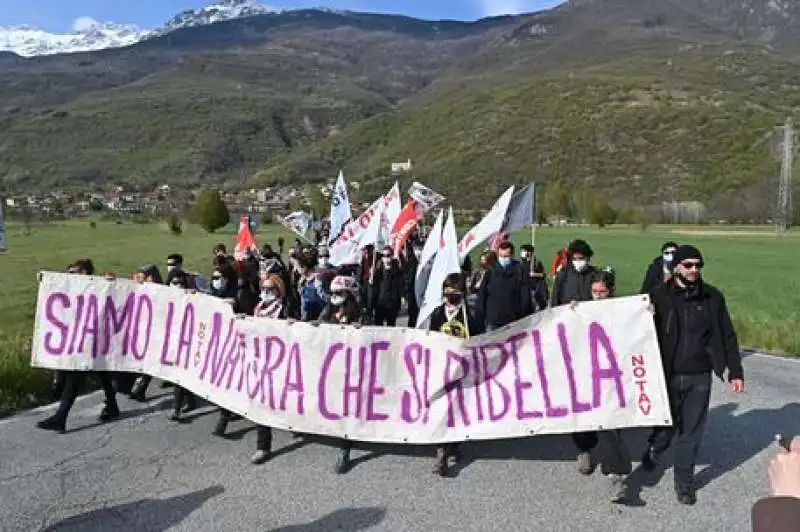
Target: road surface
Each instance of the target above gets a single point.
(145, 474)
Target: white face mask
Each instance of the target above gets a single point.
(218, 284)
(580, 264)
(338, 300)
(268, 296)
(668, 256)
(172, 268)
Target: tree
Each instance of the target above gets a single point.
(600, 213)
(317, 202)
(175, 225)
(209, 211)
(267, 217)
(557, 201)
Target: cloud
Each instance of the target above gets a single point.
(83, 23)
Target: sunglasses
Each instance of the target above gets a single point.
(692, 265)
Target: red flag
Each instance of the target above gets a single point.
(405, 224)
(560, 261)
(245, 241)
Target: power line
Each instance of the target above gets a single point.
(783, 213)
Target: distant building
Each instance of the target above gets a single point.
(401, 168)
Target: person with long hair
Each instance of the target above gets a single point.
(615, 460)
(273, 306)
(344, 310)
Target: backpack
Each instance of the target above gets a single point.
(311, 302)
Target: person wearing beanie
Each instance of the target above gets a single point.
(660, 269)
(572, 284)
(697, 339)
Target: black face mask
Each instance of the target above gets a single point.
(454, 299)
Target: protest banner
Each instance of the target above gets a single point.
(558, 371)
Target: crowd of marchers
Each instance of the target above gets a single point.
(695, 334)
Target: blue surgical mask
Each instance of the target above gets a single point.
(505, 262)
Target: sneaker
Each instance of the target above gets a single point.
(585, 465)
(259, 457)
(109, 413)
(191, 404)
(441, 467)
(343, 463)
(649, 460)
(219, 430)
(52, 423)
(138, 395)
(175, 416)
(617, 488)
(455, 454)
(686, 496)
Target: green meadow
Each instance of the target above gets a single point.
(752, 266)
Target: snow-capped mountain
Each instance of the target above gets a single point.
(27, 41)
(90, 35)
(216, 12)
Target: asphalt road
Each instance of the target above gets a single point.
(145, 474)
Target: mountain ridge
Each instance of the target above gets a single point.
(624, 94)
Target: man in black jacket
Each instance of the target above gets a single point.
(659, 270)
(388, 289)
(696, 337)
(574, 284)
(505, 294)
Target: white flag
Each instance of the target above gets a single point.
(425, 197)
(390, 214)
(345, 250)
(340, 208)
(300, 223)
(373, 235)
(445, 263)
(491, 224)
(426, 257)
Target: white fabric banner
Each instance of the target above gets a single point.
(489, 225)
(559, 371)
(340, 207)
(444, 263)
(346, 248)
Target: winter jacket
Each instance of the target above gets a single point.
(505, 295)
(388, 287)
(776, 514)
(539, 290)
(654, 275)
(723, 345)
(312, 300)
(572, 285)
(439, 318)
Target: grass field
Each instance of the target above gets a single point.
(752, 266)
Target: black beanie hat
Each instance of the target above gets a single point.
(687, 252)
(580, 246)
